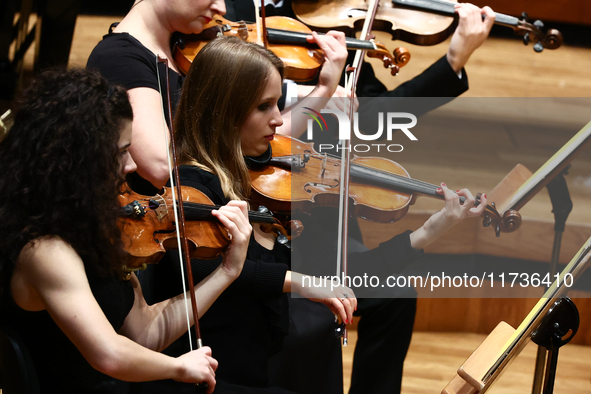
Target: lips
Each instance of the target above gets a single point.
(270, 137)
(206, 18)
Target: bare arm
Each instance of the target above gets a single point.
(471, 32)
(150, 136)
(158, 325)
(451, 214)
(340, 299)
(50, 275)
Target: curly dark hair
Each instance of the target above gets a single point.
(60, 169)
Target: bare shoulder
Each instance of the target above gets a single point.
(47, 252)
(44, 263)
(46, 244)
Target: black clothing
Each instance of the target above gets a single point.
(60, 367)
(247, 323)
(310, 362)
(123, 60)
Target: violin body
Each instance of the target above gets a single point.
(420, 28)
(301, 63)
(283, 190)
(286, 38)
(148, 228)
(298, 178)
(150, 231)
(420, 22)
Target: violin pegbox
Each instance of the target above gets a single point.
(506, 223)
(532, 32)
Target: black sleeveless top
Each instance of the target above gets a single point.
(60, 367)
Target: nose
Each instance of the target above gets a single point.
(219, 7)
(277, 119)
(129, 165)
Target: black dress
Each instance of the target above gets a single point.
(246, 324)
(60, 367)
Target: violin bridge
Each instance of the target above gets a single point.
(323, 170)
(243, 31)
(162, 209)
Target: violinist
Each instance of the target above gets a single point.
(386, 325)
(127, 54)
(444, 78)
(86, 329)
(248, 322)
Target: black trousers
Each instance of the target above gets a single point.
(311, 362)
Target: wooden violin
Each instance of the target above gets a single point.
(420, 22)
(298, 178)
(147, 225)
(287, 39)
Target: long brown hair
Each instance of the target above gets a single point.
(223, 86)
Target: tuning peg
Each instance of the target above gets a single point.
(526, 39)
(524, 15)
(538, 47)
(282, 239)
(539, 24)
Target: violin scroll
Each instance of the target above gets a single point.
(509, 222)
(401, 56)
(532, 32)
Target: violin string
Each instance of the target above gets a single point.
(411, 181)
(199, 208)
(401, 177)
(443, 2)
(337, 161)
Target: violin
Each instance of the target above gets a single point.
(148, 228)
(287, 39)
(296, 177)
(420, 22)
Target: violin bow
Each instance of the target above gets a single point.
(351, 86)
(179, 213)
(261, 23)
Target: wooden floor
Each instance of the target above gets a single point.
(433, 359)
(501, 68)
